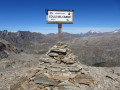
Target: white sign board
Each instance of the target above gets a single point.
(60, 16)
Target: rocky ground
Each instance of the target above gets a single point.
(60, 69)
(15, 61)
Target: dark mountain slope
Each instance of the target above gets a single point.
(98, 49)
(5, 48)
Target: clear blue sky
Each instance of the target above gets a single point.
(99, 15)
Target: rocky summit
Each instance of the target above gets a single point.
(60, 70)
(62, 54)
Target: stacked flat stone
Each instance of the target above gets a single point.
(61, 53)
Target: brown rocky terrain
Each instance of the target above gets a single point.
(59, 69)
(11, 58)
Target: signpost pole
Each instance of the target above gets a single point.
(59, 31)
(59, 17)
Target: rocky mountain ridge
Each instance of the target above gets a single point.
(101, 49)
(27, 34)
(34, 37)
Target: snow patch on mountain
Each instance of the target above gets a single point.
(116, 31)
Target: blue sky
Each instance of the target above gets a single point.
(99, 15)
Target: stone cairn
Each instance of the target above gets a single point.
(62, 54)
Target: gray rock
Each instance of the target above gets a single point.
(3, 54)
(66, 83)
(46, 81)
(83, 79)
(67, 60)
(69, 88)
(59, 50)
(53, 54)
(48, 60)
(74, 69)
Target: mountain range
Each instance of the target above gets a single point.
(92, 48)
(22, 33)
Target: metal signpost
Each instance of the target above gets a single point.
(59, 17)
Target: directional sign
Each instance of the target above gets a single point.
(60, 16)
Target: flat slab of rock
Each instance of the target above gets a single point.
(83, 79)
(48, 60)
(53, 54)
(67, 60)
(59, 77)
(59, 50)
(46, 81)
(74, 69)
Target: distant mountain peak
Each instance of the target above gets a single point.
(116, 31)
(92, 31)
